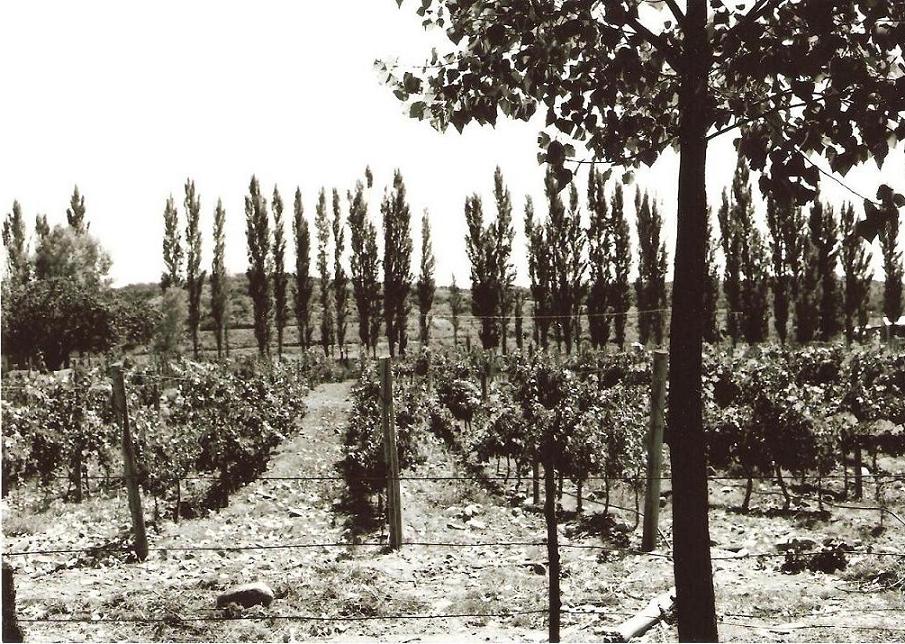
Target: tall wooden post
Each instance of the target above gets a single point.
(12, 632)
(130, 471)
(654, 451)
(554, 600)
(859, 466)
(391, 454)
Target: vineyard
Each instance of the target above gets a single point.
(253, 475)
(197, 419)
(810, 414)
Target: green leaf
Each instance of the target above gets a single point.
(416, 111)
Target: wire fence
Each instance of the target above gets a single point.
(221, 549)
(173, 619)
(489, 477)
(600, 612)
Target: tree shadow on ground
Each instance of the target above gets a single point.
(805, 516)
(596, 524)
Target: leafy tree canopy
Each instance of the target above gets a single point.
(68, 253)
(793, 77)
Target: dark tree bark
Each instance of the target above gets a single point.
(691, 534)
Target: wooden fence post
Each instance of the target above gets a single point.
(859, 465)
(130, 471)
(391, 454)
(654, 451)
(554, 600)
(12, 632)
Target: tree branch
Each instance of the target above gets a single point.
(751, 119)
(759, 9)
(658, 42)
(676, 12)
(785, 143)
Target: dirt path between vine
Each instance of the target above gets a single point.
(172, 595)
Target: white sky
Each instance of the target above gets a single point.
(129, 100)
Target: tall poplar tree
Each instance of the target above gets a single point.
(172, 247)
(455, 308)
(257, 237)
(755, 289)
(322, 224)
(194, 276)
(303, 288)
(825, 237)
(14, 240)
(220, 283)
(518, 308)
(600, 249)
(75, 214)
(365, 269)
(426, 286)
(42, 228)
(798, 250)
(340, 278)
(566, 240)
(779, 213)
(397, 264)
(731, 242)
(622, 264)
(746, 284)
(893, 269)
(807, 297)
(711, 285)
(280, 279)
(503, 269)
(539, 274)
(855, 257)
(485, 303)
(650, 287)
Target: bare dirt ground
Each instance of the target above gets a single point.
(401, 596)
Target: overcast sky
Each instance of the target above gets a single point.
(129, 100)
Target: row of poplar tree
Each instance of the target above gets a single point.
(576, 272)
(796, 269)
(380, 300)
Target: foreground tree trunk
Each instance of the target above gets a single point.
(691, 532)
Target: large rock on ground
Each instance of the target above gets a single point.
(246, 595)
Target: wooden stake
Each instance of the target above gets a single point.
(554, 600)
(130, 471)
(178, 500)
(654, 452)
(535, 482)
(859, 480)
(12, 632)
(391, 454)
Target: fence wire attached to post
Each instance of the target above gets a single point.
(391, 454)
(654, 452)
(130, 470)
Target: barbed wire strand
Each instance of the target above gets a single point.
(489, 477)
(98, 550)
(312, 618)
